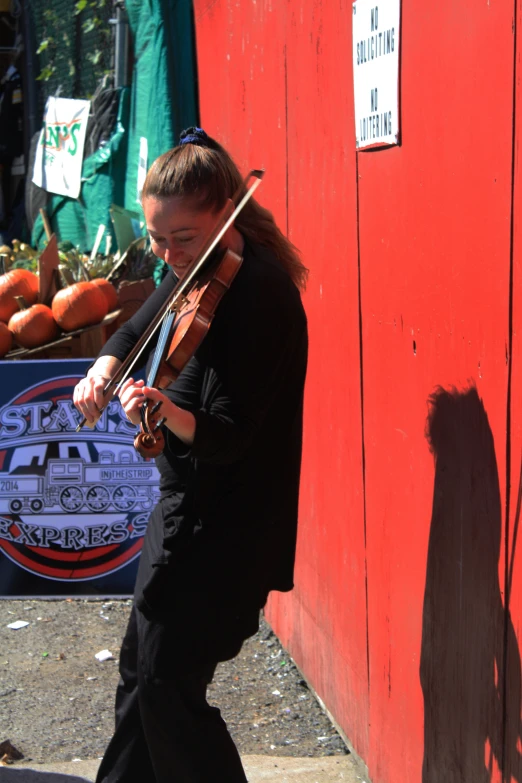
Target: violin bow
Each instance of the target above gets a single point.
(114, 385)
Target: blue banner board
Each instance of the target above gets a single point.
(73, 506)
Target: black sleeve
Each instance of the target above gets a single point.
(122, 341)
(257, 361)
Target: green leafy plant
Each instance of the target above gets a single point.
(44, 45)
(53, 45)
(76, 266)
(20, 256)
(94, 57)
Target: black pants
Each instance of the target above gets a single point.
(166, 732)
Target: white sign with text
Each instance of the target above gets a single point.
(376, 27)
(59, 155)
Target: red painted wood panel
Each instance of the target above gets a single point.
(412, 584)
(329, 603)
(435, 261)
(242, 93)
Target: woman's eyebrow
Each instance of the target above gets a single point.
(174, 230)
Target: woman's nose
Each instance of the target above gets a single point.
(172, 254)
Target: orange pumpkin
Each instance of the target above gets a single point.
(33, 326)
(79, 305)
(17, 282)
(108, 291)
(6, 339)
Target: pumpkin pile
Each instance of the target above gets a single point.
(79, 305)
(17, 282)
(29, 324)
(32, 326)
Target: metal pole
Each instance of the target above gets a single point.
(29, 87)
(121, 55)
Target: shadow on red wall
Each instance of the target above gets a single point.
(467, 729)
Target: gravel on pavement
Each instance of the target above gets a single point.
(56, 697)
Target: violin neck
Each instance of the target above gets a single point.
(160, 348)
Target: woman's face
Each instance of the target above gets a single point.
(177, 229)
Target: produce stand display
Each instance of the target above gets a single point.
(60, 304)
(78, 344)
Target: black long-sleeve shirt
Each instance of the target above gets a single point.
(229, 508)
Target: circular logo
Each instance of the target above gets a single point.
(73, 506)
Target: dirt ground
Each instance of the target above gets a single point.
(56, 698)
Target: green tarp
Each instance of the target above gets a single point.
(163, 83)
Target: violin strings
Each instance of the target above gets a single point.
(163, 323)
(158, 353)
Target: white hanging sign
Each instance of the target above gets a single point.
(376, 27)
(59, 156)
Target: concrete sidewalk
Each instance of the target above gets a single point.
(260, 769)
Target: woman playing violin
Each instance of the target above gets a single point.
(223, 533)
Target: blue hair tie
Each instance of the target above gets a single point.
(194, 136)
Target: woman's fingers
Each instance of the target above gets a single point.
(154, 394)
(98, 384)
(128, 383)
(130, 391)
(88, 397)
(132, 398)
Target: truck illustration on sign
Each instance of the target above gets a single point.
(75, 485)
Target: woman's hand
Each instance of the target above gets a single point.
(134, 393)
(132, 398)
(88, 393)
(88, 396)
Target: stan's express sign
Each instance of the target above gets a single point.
(73, 506)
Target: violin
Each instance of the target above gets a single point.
(183, 321)
(188, 327)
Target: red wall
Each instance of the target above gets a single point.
(398, 618)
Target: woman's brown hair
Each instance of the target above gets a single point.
(205, 172)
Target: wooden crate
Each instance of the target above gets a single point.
(81, 344)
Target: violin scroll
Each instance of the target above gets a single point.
(150, 441)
